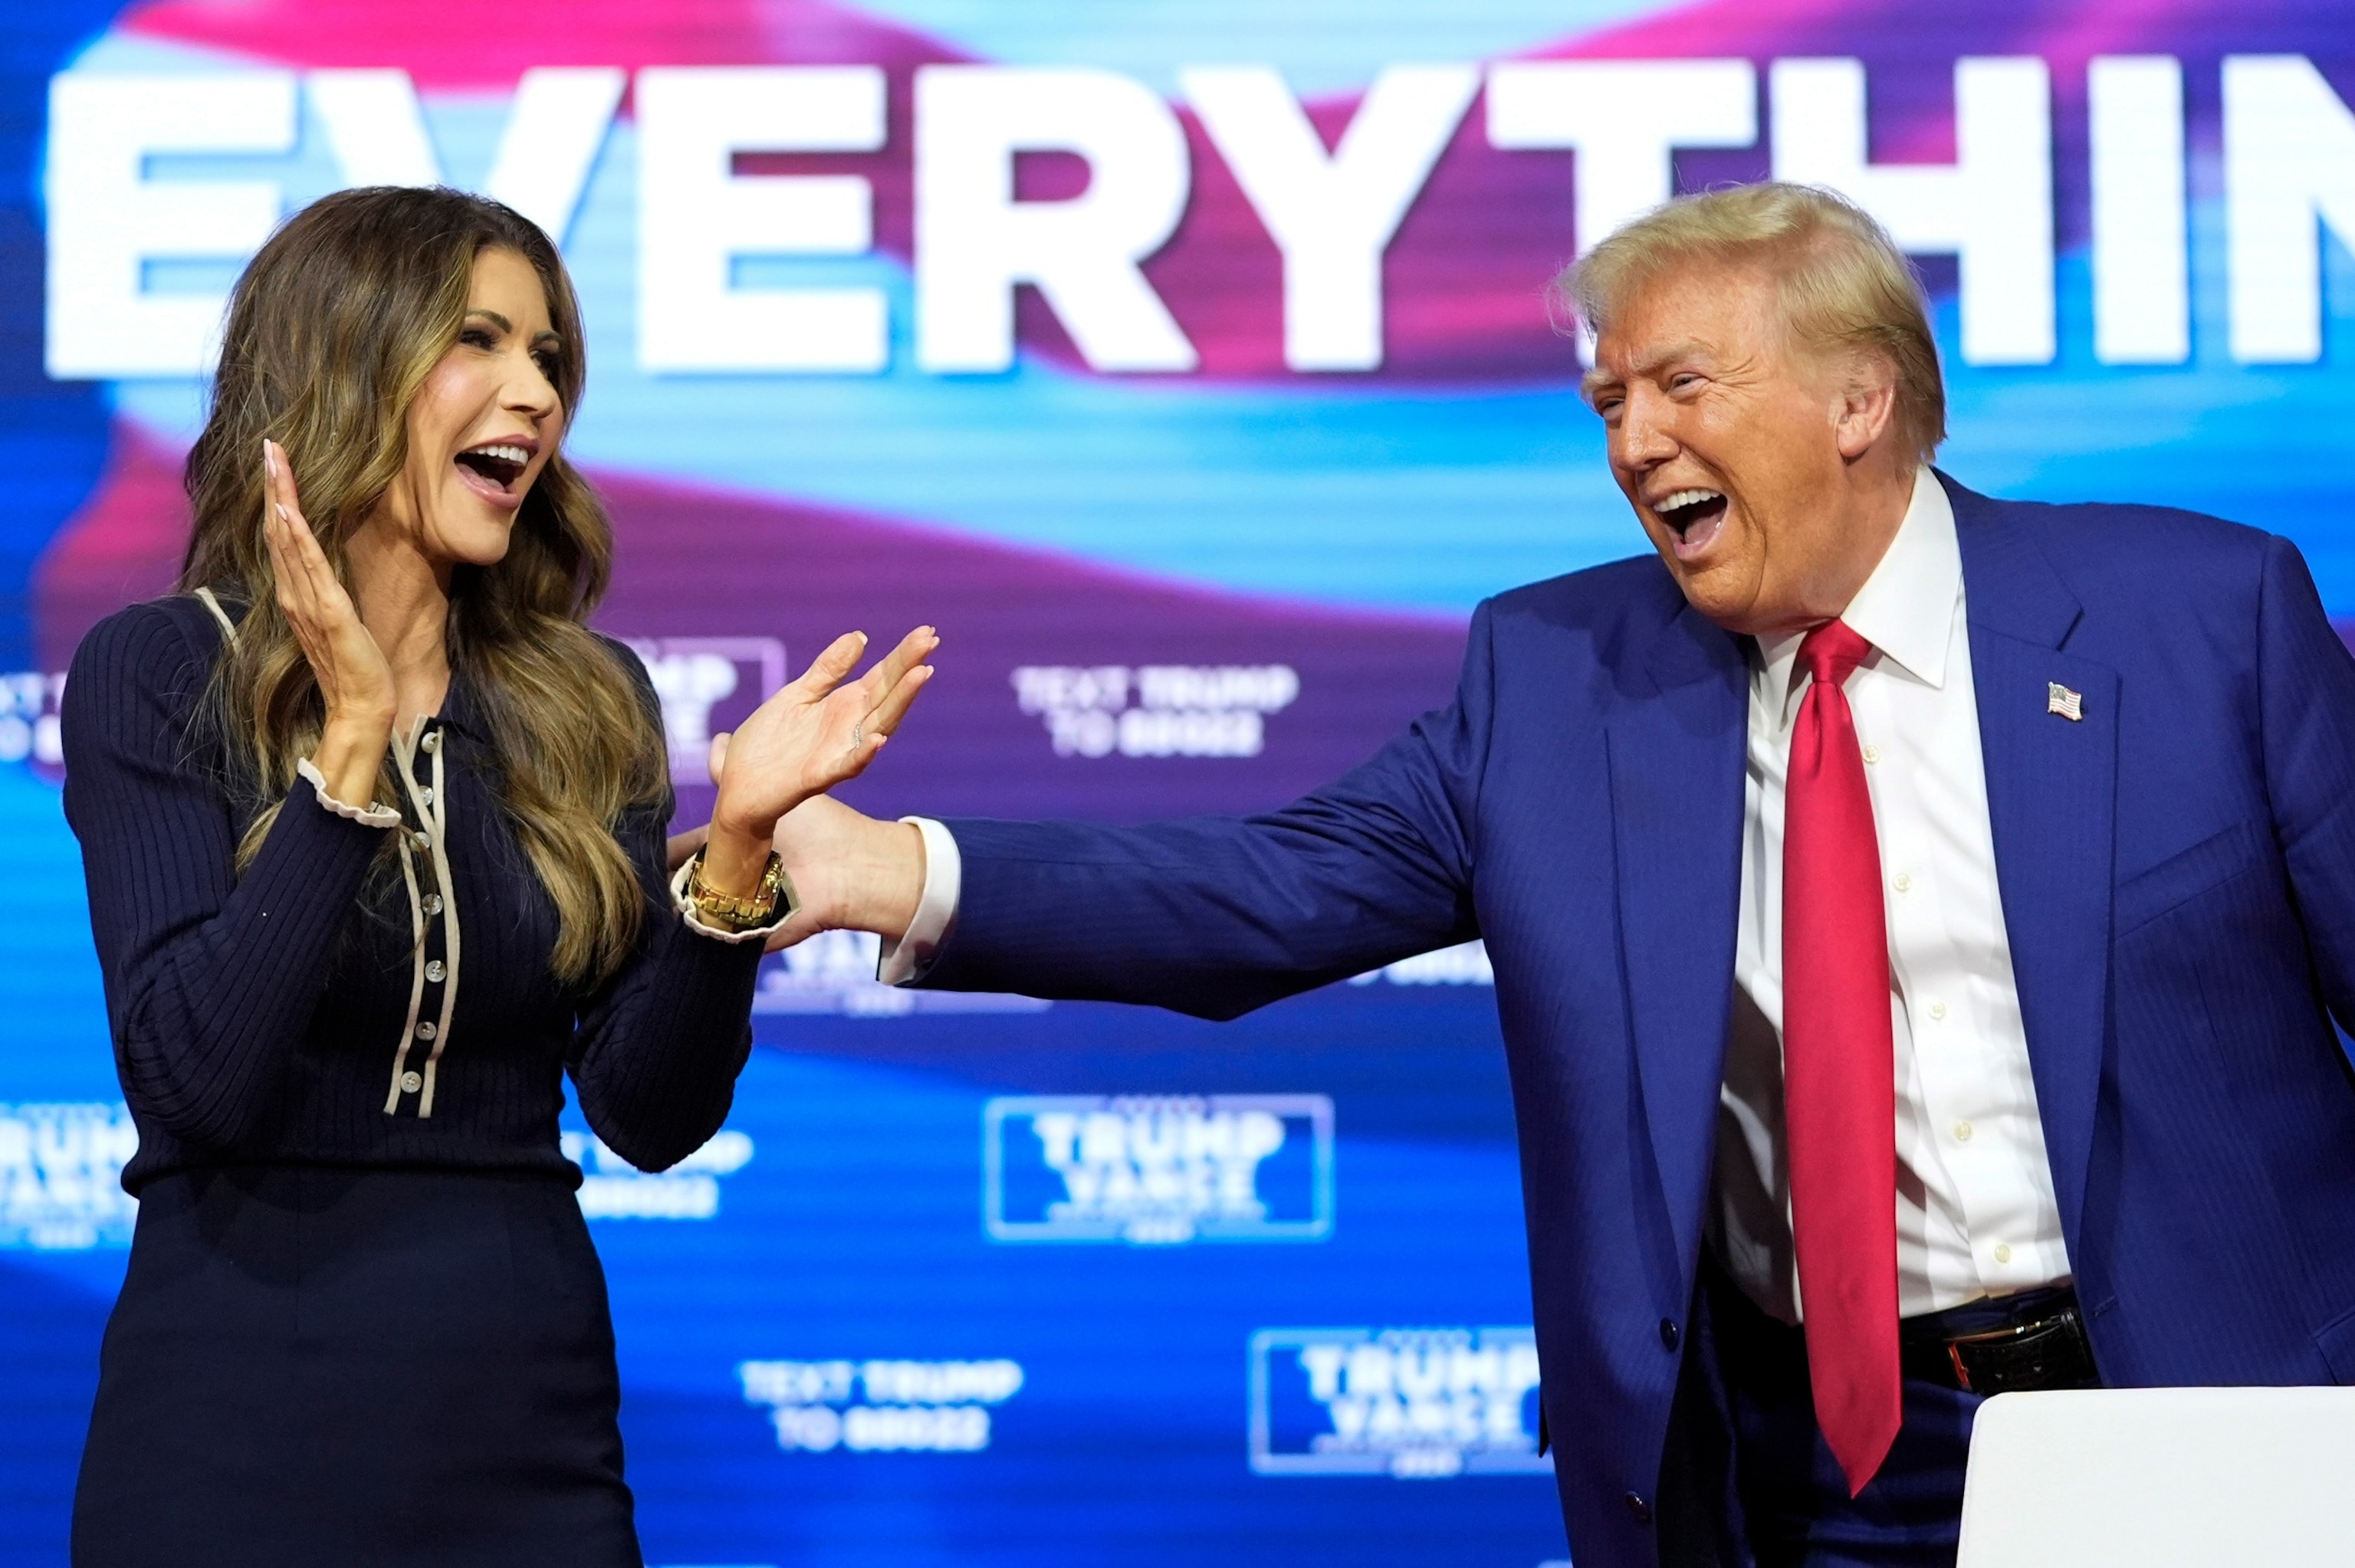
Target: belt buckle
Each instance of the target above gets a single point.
(2064, 1319)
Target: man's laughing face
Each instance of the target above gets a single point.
(1725, 437)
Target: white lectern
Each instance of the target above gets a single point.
(2162, 1477)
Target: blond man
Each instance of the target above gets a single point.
(1918, 921)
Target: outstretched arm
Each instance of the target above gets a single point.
(1208, 915)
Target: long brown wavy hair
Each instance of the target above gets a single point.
(332, 331)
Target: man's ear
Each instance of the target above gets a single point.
(1868, 405)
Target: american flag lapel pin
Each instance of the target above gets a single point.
(2060, 699)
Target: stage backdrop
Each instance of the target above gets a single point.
(1187, 363)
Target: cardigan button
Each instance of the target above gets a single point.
(432, 904)
(423, 841)
(435, 971)
(1639, 1507)
(410, 1082)
(428, 1029)
(1668, 1335)
(432, 741)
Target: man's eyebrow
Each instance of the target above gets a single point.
(1675, 351)
(1598, 378)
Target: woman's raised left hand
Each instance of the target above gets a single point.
(813, 734)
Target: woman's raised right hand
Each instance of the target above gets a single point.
(355, 679)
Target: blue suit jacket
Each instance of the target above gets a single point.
(2177, 877)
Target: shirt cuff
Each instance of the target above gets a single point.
(371, 815)
(786, 905)
(903, 962)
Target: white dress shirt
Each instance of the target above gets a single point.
(1975, 1212)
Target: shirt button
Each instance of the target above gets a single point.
(1639, 1507)
(423, 841)
(433, 903)
(1904, 882)
(1961, 1132)
(1872, 754)
(1668, 1335)
(425, 796)
(1938, 1010)
(435, 971)
(432, 741)
(428, 1029)
(410, 1082)
(2003, 1252)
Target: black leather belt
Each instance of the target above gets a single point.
(2042, 1343)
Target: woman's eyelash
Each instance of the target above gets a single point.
(549, 360)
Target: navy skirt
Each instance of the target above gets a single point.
(312, 1366)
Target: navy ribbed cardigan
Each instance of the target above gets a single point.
(255, 1017)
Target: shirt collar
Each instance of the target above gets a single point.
(1905, 609)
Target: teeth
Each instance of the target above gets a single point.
(1684, 498)
(507, 454)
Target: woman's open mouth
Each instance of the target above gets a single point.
(492, 468)
(1695, 517)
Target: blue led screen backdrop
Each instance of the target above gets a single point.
(1189, 364)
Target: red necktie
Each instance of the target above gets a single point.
(1838, 1069)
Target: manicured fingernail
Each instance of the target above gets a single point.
(281, 510)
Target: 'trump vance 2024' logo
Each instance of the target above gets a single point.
(1158, 1169)
(1417, 1403)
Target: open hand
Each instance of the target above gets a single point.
(813, 735)
(354, 680)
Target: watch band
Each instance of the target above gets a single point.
(733, 914)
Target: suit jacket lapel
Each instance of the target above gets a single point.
(2052, 793)
(1676, 756)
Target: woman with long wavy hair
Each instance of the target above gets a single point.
(373, 828)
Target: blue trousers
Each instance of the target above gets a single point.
(1789, 1505)
(1749, 1482)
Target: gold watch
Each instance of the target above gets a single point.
(729, 914)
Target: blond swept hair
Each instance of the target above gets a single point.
(1844, 286)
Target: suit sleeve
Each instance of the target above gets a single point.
(2306, 686)
(210, 977)
(1214, 915)
(657, 1049)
